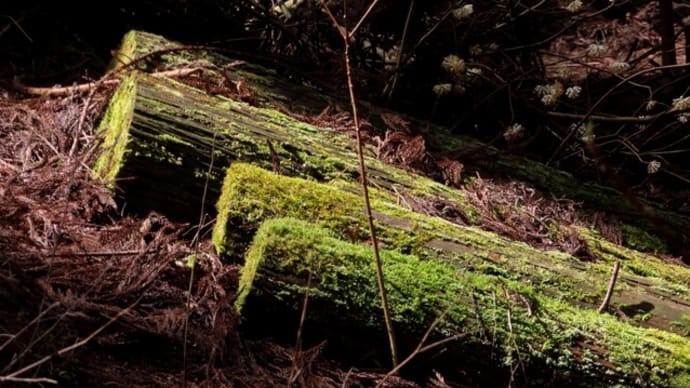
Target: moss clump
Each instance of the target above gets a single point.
(251, 195)
(126, 52)
(640, 240)
(344, 275)
(526, 326)
(651, 270)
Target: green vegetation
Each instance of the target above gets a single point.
(252, 195)
(528, 326)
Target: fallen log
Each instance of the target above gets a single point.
(529, 331)
(165, 133)
(166, 144)
(251, 195)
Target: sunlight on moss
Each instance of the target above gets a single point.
(114, 128)
(526, 325)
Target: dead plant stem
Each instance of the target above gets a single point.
(13, 376)
(363, 173)
(295, 370)
(612, 284)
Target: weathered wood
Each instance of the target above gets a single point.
(165, 141)
(162, 133)
(594, 197)
(251, 195)
(272, 91)
(526, 328)
(167, 145)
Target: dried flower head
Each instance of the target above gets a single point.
(619, 67)
(549, 93)
(573, 92)
(474, 71)
(514, 132)
(442, 89)
(653, 167)
(596, 50)
(574, 6)
(463, 12)
(680, 103)
(453, 64)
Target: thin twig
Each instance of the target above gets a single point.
(363, 175)
(361, 20)
(601, 99)
(80, 123)
(347, 377)
(19, 27)
(95, 254)
(68, 90)
(401, 45)
(72, 347)
(612, 284)
(28, 325)
(607, 119)
(294, 372)
(421, 348)
(28, 380)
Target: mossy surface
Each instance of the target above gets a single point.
(654, 273)
(524, 325)
(640, 240)
(180, 139)
(275, 92)
(563, 184)
(114, 127)
(251, 195)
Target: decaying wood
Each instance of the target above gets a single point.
(274, 92)
(589, 349)
(252, 195)
(164, 141)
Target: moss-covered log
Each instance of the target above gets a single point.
(527, 328)
(656, 297)
(164, 141)
(153, 143)
(274, 91)
(644, 214)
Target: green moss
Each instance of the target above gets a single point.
(304, 150)
(126, 52)
(251, 195)
(337, 209)
(646, 268)
(523, 324)
(276, 93)
(345, 275)
(682, 325)
(114, 128)
(638, 239)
